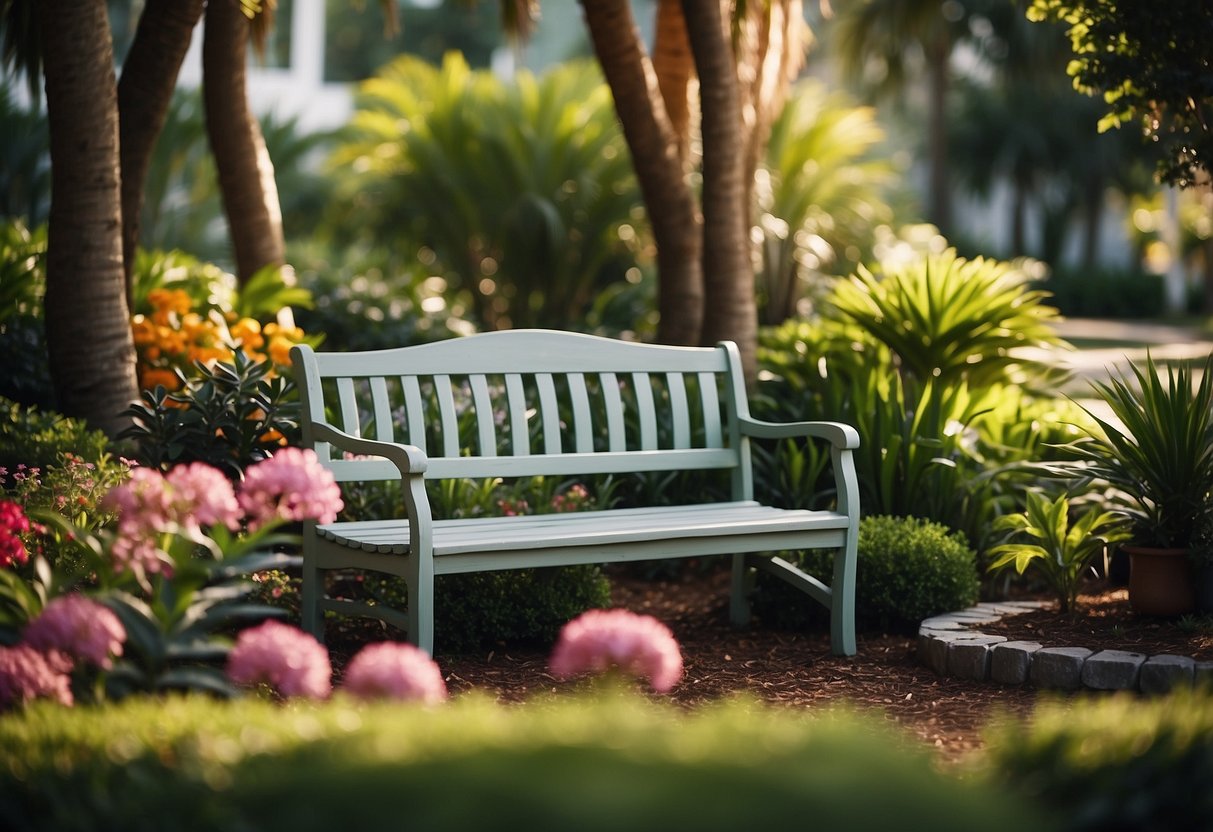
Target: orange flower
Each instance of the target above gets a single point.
(152, 376)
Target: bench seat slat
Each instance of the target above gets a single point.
(589, 529)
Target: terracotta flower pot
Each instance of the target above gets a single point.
(1160, 581)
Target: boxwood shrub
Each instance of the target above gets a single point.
(605, 762)
(908, 569)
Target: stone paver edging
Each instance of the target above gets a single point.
(953, 645)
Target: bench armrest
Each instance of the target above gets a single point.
(841, 436)
(409, 459)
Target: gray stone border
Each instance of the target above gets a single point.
(952, 645)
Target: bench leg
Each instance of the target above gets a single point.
(421, 606)
(739, 595)
(313, 590)
(842, 599)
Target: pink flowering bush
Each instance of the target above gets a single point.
(598, 641)
(291, 485)
(27, 674)
(287, 659)
(78, 627)
(13, 524)
(389, 670)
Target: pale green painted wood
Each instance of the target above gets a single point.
(414, 412)
(646, 411)
(446, 411)
(384, 431)
(583, 425)
(617, 440)
(549, 413)
(680, 413)
(417, 548)
(483, 406)
(520, 434)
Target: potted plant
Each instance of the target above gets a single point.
(1156, 456)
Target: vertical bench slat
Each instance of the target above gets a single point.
(679, 412)
(520, 435)
(384, 431)
(349, 407)
(550, 412)
(583, 425)
(711, 410)
(647, 413)
(617, 439)
(485, 426)
(414, 412)
(446, 410)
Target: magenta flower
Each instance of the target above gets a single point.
(284, 657)
(290, 485)
(601, 640)
(203, 496)
(26, 674)
(389, 670)
(78, 627)
(13, 523)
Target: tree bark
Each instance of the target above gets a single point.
(88, 327)
(674, 66)
(730, 312)
(654, 147)
(145, 91)
(246, 175)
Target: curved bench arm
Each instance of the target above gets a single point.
(409, 459)
(841, 436)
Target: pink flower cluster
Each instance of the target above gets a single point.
(294, 664)
(287, 659)
(574, 499)
(70, 629)
(80, 628)
(13, 523)
(394, 671)
(290, 485)
(601, 640)
(26, 674)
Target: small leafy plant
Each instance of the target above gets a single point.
(1060, 551)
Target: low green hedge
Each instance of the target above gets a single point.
(601, 762)
(907, 569)
(1113, 763)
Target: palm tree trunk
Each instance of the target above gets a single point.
(730, 312)
(654, 146)
(145, 90)
(88, 327)
(674, 66)
(246, 175)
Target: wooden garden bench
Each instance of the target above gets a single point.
(534, 402)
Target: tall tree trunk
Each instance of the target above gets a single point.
(246, 175)
(730, 312)
(674, 65)
(1093, 203)
(770, 48)
(939, 199)
(654, 147)
(149, 75)
(88, 327)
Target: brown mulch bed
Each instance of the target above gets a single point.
(797, 670)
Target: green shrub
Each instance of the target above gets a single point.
(1113, 763)
(1106, 293)
(602, 763)
(26, 376)
(491, 608)
(37, 438)
(908, 569)
(229, 416)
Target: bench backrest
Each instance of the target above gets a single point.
(532, 402)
